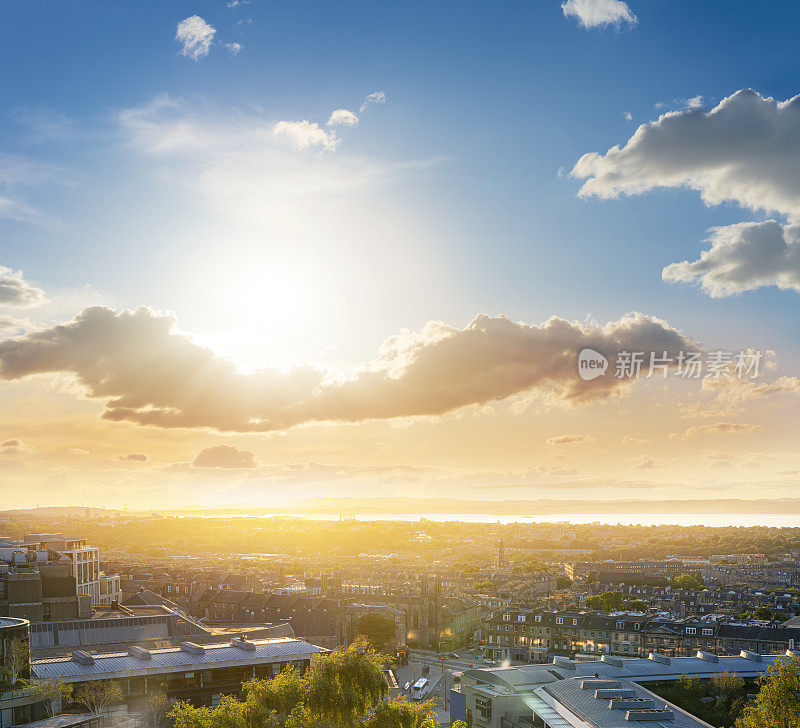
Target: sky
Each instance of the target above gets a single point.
(252, 253)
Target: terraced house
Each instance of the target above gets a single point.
(522, 635)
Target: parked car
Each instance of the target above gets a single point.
(488, 662)
(455, 655)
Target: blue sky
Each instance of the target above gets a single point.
(452, 198)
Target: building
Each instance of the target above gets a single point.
(199, 674)
(40, 592)
(85, 560)
(315, 618)
(606, 693)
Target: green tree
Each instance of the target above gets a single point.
(156, 711)
(378, 629)
(18, 659)
(98, 695)
(727, 682)
(54, 693)
(562, 582)
(778, 701)
(607, 601)
(687, 581)
(343, 688)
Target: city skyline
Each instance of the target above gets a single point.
(254, 254)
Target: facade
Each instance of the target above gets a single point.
(517, 635)
(316, 618)
(40, 593)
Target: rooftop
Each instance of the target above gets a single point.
(138, 661)
(613, 704)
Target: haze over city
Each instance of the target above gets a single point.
(257, 253)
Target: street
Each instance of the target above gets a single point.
(441, 681)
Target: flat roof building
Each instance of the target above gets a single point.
(200, 674)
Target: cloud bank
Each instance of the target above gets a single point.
(146, 372)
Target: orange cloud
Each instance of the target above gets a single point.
(147, 373)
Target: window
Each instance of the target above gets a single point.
(559, 620)
(538, 617)
(574, 622)
(520, 618)
(506, 617)
(691, 630)
(620, 625)
(708, 631)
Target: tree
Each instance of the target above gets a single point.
(562, 582)
(54, 693)
(691, 582)
(378, 629)
(727, 682)
(778, 701)
(18, 659)
(98, 695)
(606, 602)
(156, 711)
(343, 688)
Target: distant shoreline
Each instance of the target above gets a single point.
(403, 506)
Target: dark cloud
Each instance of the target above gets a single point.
(224, 457)
(134, 457)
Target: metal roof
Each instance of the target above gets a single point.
(122, 664)
(517, 679)
(597, 711)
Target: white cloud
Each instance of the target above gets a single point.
(746, 150)
(234, 48)
(569, 439)
(598, 13)
(627, 116)
(743, 257)
(718, 428)
(306, 134)
(281, 177)
(376, 97)
(16, 291)
(195, 36)
(342, 117)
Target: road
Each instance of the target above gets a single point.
(441, 681)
